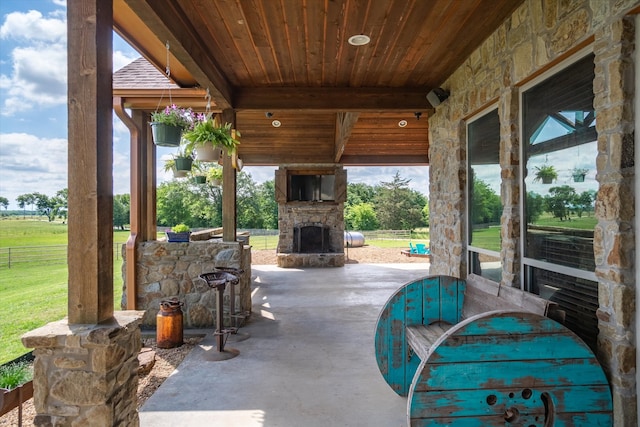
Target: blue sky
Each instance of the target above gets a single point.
(33, 109)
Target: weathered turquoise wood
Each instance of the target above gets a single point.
(423, 301)
(503, 368)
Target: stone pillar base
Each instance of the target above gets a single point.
(86, 374)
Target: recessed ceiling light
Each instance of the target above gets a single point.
(359, 40)
(402, 123)
(276, 123)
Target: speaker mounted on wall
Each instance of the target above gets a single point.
(437, 96)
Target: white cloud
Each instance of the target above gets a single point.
(39, 65)
(33, 26)
(31, 164)
(120, 59)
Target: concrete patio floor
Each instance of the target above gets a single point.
(309, 360)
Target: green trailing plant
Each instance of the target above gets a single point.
(545, 174)
(208, 131)
(15, 374)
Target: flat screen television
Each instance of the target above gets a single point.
(311, 188)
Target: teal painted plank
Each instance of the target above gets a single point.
(430, 300)
(588, 420)
(471, 403)
(466, 376)
(450, 306)
(509, 323)
(414, 296)
(510, 347)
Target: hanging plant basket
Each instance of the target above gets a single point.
(208, 152)
(200, 179)
(166, 135)
(578, 177)
(179, 174)
(183, 163)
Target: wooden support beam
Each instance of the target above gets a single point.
(90, 253)
(228, 187)
(344, 124)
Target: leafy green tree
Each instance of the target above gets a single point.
(121, 210)
(173, 204)
(535, 207)
(486, 206)
(361, 217)
(584, 202)
(24, 200)
(398, 207)
(358, 193)
(248, 211)
(4, 202)
(425, 213)
(268, 204)
(559, 200)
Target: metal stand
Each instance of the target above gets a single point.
(237, 317)
(218, 281)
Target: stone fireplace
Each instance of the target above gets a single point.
(311, 216)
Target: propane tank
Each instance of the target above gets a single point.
(169, 324)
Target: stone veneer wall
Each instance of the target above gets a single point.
(86, 375)
(166, 270)
(540, 33)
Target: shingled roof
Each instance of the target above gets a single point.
(141, 74)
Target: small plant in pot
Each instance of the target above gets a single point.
(170, 166)
(545, 174)
(183, 160)
(214, 176)
(208, 134)
(168, 125)
(179, 233)
(578, 174)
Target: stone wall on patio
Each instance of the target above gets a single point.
(537, 35)
(86, 374)
(168, 270)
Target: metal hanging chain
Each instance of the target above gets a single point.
(168, 73)
(208, 98)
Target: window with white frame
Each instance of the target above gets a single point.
(558, 192)
(483, 194)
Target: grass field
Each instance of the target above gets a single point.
(35, 294)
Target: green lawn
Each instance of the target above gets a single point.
(34, 294)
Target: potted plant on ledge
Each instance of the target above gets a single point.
(578, 174)
(206, 135)
(167, 125)
(179, 233)
(545, 174)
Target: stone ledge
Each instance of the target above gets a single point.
(55, 334)
(319, 260)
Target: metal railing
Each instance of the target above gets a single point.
(43, 255)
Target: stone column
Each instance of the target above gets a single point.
(614, 234)
(510, 186)
(86, 375)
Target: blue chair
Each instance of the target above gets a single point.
(421, 248)
(413, 249)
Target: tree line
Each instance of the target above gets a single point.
(388, 206)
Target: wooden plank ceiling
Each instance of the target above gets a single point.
(291, 58)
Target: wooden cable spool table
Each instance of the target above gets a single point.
(474, 353)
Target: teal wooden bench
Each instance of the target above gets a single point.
(474, 353)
